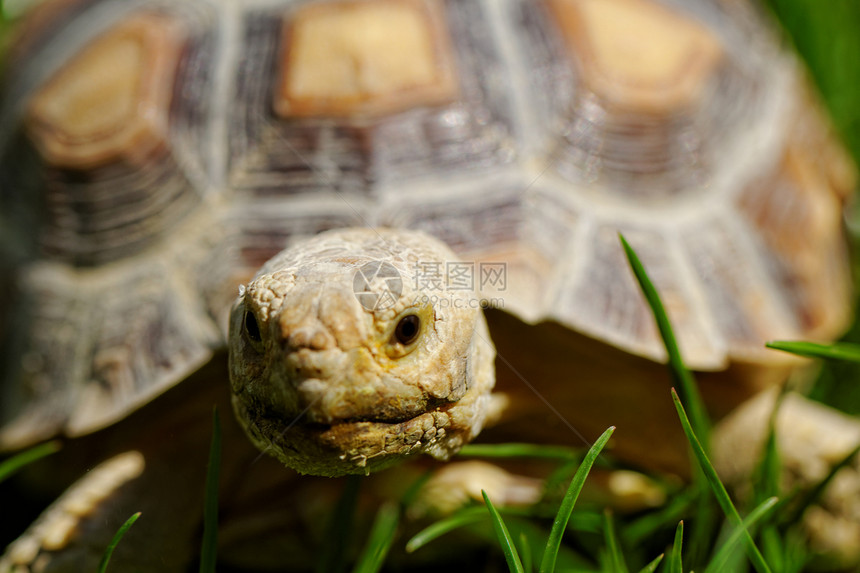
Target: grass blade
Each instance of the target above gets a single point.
(704, 524)
(706, 519)
(838, 351)
(15, 463)
(647, 526)
(508, 547)
(675, 563)
(516, 450)
(410, 496)
(773, 546)
(547, 564)
(339, 527)
(790, 548)
(526, 552)
(651, 567)
(209, 547)
(721, 558)
(555, 484)
(115, 541)
(381, 537)
(718, 488)
(683, 377)
(770, 465)
(616, 558)
(461, 518)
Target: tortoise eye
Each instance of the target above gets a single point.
(252, 329)
(407, 329)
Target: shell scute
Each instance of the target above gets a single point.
(362, 59)
(113, 159)
(656, 131)
(273, 154)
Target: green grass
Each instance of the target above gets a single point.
(9, 466)
(740, 535)
(720, 493)
(514, 450)
(512, 557)
(459, 519)
(103, 565)
(614, 557)
(339, 530)
(653, 565)
(675, 563)
(559, 525)
(825, 35)
(680, 373)
(843, 351)
(382, 536)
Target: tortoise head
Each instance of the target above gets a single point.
(346, 358)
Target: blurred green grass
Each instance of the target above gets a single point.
(827, 36)
(10, 10)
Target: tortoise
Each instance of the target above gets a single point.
(422, 177)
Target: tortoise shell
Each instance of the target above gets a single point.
(155, 154)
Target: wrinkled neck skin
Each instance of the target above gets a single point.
(322, 376)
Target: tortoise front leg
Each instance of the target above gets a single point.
(72, 534)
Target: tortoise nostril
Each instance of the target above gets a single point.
(311, 338)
